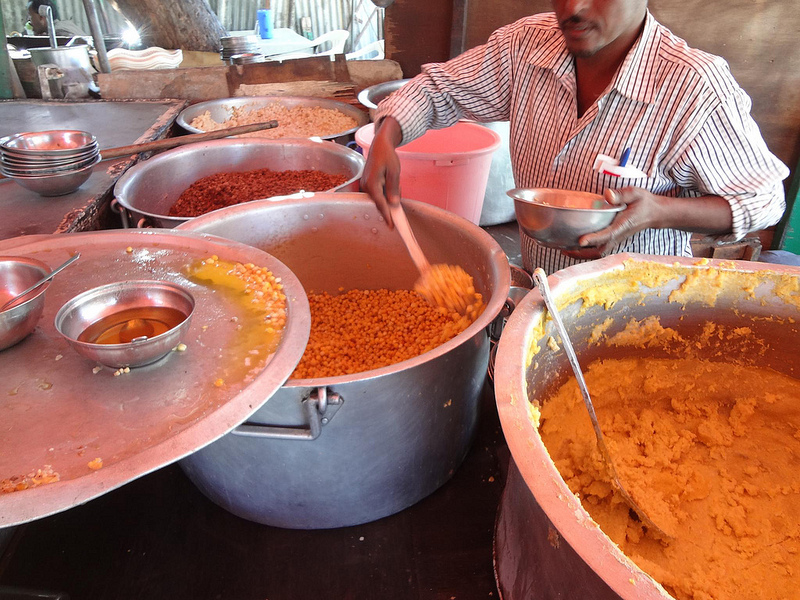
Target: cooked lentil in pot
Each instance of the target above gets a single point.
(362, 330)
(226, 189)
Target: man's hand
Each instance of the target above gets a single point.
(381, 178)
(643, 210)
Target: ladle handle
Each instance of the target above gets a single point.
(174, 142)
(404, 229)
(544, 288)
(41, 282)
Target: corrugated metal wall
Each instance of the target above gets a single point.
(15, 14)
(357, 16)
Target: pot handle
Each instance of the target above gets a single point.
(515, 296)
(319, 408)
(124, 216)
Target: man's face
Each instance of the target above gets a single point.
(38, 22)
(591, 25)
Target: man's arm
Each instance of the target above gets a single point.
(728, 163)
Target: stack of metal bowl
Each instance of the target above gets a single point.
(50, 163)
(248, 58)
(238, 44)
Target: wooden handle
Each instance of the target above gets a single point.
(193, 138)
(404, 229)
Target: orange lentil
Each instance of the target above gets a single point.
(451, 288)
(362, 330)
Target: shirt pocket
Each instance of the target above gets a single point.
(654, 180)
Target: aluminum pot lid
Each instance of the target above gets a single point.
(60, 413)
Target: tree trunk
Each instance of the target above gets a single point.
(184, 24)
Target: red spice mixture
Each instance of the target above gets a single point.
(226, 189)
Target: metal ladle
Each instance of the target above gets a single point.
(42, 281)
(544, 288)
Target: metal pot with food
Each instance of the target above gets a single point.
(297, 116)
(692, 366)
(365, 426)
(178, 185)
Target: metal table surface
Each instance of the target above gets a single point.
(58, 409)
(114, 123)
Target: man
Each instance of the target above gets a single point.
(64, 28)
(597, 77)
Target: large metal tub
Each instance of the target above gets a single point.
(546, 545)
(221, 109)
(146, 191)
(389, 437)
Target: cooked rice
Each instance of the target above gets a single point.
(298, 121)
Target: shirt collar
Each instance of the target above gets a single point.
(635, 79)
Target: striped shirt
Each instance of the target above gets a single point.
(679, 110)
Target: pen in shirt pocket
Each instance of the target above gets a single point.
(623, 160)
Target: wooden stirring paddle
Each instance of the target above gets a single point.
(448, 287)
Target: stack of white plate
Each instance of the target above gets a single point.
(233, 45)
(149, 58)
(50, 163)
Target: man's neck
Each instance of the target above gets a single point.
(594, 73)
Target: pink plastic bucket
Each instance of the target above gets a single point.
(448, 167)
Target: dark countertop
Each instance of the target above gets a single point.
(159, 537)
(114, 123)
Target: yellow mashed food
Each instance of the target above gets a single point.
(710, 450)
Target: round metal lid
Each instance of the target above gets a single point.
(58, 409)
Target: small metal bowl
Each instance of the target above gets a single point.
(558, 218)
(86, 309)
(54, 185)
(16, 275)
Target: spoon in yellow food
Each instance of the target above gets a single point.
(544, 288)
(446, 286)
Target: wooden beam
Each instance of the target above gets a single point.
(458, 35)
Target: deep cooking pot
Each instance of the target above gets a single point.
(147, 190)
(546, 544)
(339, 451)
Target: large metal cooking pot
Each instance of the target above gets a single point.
(148, 190)
(222, 109)
(364, 446)
(546, 544)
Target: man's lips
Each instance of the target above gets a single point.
(576, 29)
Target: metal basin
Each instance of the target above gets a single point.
(372, 96)
(221, 110)
(558, 218)
(364, 446)
(16, 275)
(544, 539)
(148, 190)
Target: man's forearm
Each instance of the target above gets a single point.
(706, 214)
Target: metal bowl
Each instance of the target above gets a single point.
(557, 218)
(55, 185)
(52, 143)
(222, 109)
(16, 275)
(148, 190)
(372, 96)
(9, 169)
(89, 307)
